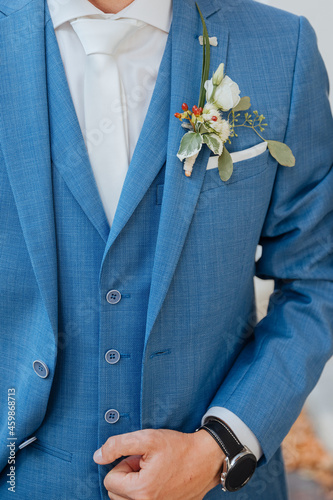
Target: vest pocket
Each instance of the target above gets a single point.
(52, 450)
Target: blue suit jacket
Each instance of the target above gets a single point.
(202, 346)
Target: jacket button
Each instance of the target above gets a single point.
(112, 416)
(40, 368)
(112, 356)
(113, 297)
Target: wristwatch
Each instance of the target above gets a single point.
(239, 463)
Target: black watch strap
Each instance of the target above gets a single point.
(224, 436)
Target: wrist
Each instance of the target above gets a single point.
(210, 453)
(239, 464)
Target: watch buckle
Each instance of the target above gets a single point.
(224, 473)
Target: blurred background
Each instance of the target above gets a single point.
(308, 449)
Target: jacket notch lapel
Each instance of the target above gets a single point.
(181, 193)
(150, 152)
(24, 138)
(68, 149)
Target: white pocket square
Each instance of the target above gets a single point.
(240, 155)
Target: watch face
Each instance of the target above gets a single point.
(240, 471)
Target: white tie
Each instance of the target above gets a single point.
(106, 130)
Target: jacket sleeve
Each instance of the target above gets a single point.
(273, 375)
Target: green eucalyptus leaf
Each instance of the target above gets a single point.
(191, 144)
(225, 165)
(243, 105)
(282, 153)
(214, 143)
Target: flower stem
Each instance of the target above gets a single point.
(251, 127)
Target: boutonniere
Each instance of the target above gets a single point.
(216, 120)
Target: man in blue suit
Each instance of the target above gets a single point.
(124, 332)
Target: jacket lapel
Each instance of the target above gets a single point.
(181, 193)
(69, 152)
(24, 139)
(150, 152)
(24, 135)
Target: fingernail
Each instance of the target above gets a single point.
(97, 455)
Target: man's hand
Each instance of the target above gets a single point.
(161, 465)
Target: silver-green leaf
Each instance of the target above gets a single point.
(243, 105)
(190, 145)
(225, 165)
(204, 129)
(214, 143)
(282, 153)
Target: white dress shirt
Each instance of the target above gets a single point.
(138, 69)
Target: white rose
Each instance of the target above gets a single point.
(218, 75)
(225, 96)
(209, 87)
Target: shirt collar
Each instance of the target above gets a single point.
(157, 13)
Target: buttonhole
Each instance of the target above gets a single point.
(160, 353)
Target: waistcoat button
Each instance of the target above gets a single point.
(113, 297)
(112, 356)
(40, 368)
(112, 416)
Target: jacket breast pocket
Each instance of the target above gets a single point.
(242, 170)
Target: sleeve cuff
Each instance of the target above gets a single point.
(243, 433)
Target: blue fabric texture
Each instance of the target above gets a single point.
(180, 251)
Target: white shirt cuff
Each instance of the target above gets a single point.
(241, 430)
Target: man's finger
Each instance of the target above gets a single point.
(120, 481)
(133, 443)
(133, 462)
(116, 497)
